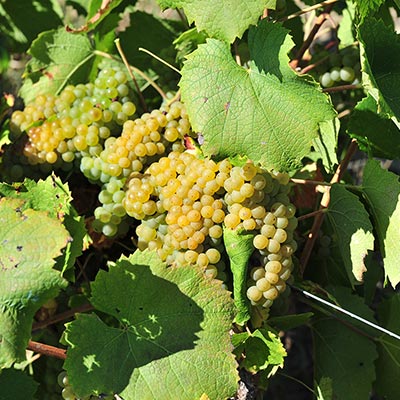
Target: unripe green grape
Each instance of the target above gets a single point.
(110, 229)
(257, 273)
(326, 80)
(68, 394)
(347, 74)
(335, 74)
(62, 379)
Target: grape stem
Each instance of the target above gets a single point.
(62, 316)
(307, 10)
(317, 25)
(319, 217)
(122, 54)
(160, 60)
(47, 350)
(342, 88)
(309, 182)
(311, 214)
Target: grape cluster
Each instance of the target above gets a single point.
(67, 392)
(342, 68)
(77, 121)
(142, 142)
(184, 202)
(180, 214)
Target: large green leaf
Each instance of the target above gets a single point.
(388, 364)
(173, 340)
(16, 385)
(23, 20)
(382, 64)
(239, 247)
(226, 19)
(382, 189)
(58, 58)
(341, 354)
(30, 240)
(266, 112)
(53, 196)
(375, 134)
(353, 230)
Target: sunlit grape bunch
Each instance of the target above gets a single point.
(180, 212)
(184, 203)
(143, 140)
(79, 119)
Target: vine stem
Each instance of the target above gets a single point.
(61, 316)
(307, 10)
(311, 214)
(137, 70)
(160, 60)
(309, 182)
(317, 25)
(47, 350)
(124, 59)
(312, 236)
(342, 88)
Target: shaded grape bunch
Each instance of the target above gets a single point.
(67, 392)
(341, 68)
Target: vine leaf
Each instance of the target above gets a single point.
(224, 20)
(353, 230)
(239, 247)
(366, 7)
(29, 242)
(388, 364)
(58, 58)
(376, 135)
(263, 348)
(23, 20)
(381, 43)
(382, 189)
(17, 385)
(257, 112)
(173, 334)
(326, 143)
(341, 354)
(53, 196)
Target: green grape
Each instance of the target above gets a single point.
(335, 74)
(326, 80)
(347, 74)
(68, 394)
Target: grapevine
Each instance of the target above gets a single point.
(199, 202)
